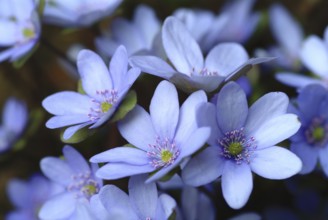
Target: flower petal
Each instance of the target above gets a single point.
(94, 73)
(75, 160)
(137, 128)
(203, 168)
(295, 80)
(118, 67)
(164, 110)
(308, 154)
(66, 120)
(167, 204)
(237, 184)
(231, 112)
(70, 131)
(57, 170)
(323, 158)
(14, 116)
(180, 47)
(275, 163)
(8, 30)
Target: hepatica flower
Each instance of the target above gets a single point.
(143, 202)
(190, 72)
(310, 143)
(243, 140)
(14, 120)
(76, 13)
(79, 184)
(104, 88)
(19, 27)
(161, 139)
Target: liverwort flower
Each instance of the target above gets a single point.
(243, 140)
(14, 120)
(310, 143)
(29, 196)
(161, 139)
(79, 184)
(19, 27)
(105, 88)
(190, 71)
(77, 13)
(141, 35)
(143, 202)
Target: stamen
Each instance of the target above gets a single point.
(203, 72)
(316, 133)
(83, 185)
(107, 99)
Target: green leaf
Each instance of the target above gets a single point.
(21, 61)
(127, 105)
(80, 87)
(42, 4)
(19, 145)
(78, 137)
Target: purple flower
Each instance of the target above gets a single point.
(105, 88)
(161, 139)
(243, 140)
(14, 119)
(190, 71)
(79, 184)
(142, 202)
(28, 196)
(141, 35)
(75, 13)
(19, 27)
(310, 143)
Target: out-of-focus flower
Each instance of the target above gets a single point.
(19, 27)
(76, 13)
(14, 119)
(310, 143)
(314, 56)
(142, 202)
(105, 88)
(243, 140)
(29, 196)
(161, 139)
(141, 35)
(190, 71)
(78, 182)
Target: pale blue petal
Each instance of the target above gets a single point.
(237, 184)
(9, 31)
(308, 154)
(163, 171)
(204, 168)
(189, 200)
(75, 160)
(18, 52)
(56, 170)
(66, 120)
(107, 46)
(112, 171)
(323, 158)
(127, 155)
(98, 208)
(5, 54)
(137, 128)
(18, 193)
(164, 110)
(232, 107)
(295, 80)
(83, 211)
(70, 131)
(14, 116)
(60, 206)
(167, 204)
(94, 73)
(118, 67)
(107, 115)
(275, 163)
(182, 50)
(22, 10)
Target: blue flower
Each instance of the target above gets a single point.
(14, 120)
(190, 71)
(142, 202)
(28, 196)
(76, 13)
(144, 28)
(161, 139)
(105, 88)
(310, 143)
(75, 176)
(243, 140)
(19, 27)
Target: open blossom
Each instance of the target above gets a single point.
(143, 202)
(105, 88)
(14, 119)
(79, 184)
(19, 27)
(310, 143)
(78, 12)
(141, 35)
(190, 72)
(161, 139)
(243, 140)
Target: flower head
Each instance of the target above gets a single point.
(19, 27)
(105, 88)
(78, 12)
(161, 139)
(243, 140)
(78, 181)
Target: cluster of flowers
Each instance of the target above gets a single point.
(214, 135)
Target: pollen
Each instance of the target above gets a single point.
(28, 33)
(235, 148)
(105, 106)
(166, 156)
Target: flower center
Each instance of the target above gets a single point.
(105, 106)
(236, 147)
(163, 153)
(104, 102)
(83, 185)
(317, 132)
(203, 72)
(28, 33)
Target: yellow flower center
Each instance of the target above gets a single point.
(28, 33)
(166, 156)
(235, 148)
(105, 106)
(318, 133)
